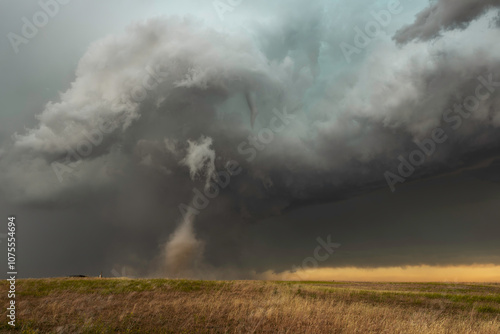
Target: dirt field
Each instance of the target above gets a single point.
(89, 305)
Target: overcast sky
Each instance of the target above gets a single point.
(218, 139)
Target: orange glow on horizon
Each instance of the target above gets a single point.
(462, 273)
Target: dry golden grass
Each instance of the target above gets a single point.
(181, 306)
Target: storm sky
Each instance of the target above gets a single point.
(245, 139)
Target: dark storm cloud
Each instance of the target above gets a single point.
(153, 113)
(444, 15)
(437, 221)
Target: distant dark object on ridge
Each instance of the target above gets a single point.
(77, 276)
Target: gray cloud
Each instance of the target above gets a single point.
(496, 20)
(441, 16)
(154, 112)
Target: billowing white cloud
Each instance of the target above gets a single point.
(200, 159)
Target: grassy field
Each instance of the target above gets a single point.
(90, 305)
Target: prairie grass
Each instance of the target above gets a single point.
(89, 305)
